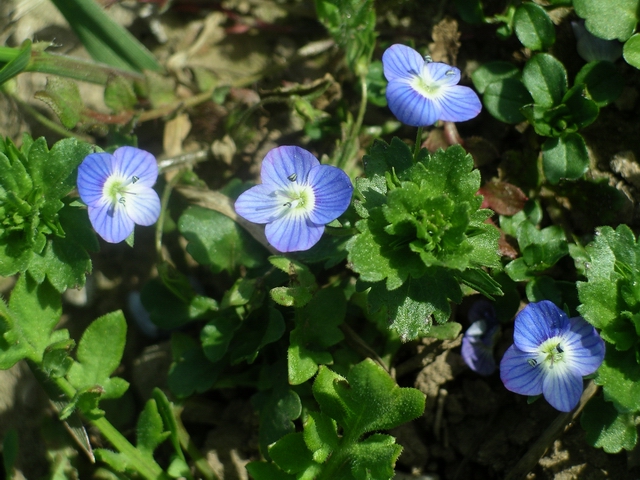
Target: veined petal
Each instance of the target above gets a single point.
(259, 204)
(411, 107)
(400, 61)
(332, 189)
(293, 233)
(143, 206)
(436, 73)
(583, 348)
(457, 103)
(111, 222)
(562, 387)
(518, 375)
(93, 172)
(538, 322)
(282, 164)
(133, 162)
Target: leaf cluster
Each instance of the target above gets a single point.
(541, 95)
(422, 233)
(39, 231)
(611, 302)
(332, 444)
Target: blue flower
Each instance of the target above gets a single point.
(117, 191)
(296, 199)
(550, 355)
(480, 338)
(421, 92)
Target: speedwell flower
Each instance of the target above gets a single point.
(550, 355)
(421, 92)
(117, 191)
(480, 338)
(296, 199)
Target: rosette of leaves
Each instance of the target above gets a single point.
(39, 232)
(610, 301)
(422, 234)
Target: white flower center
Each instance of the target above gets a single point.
(297, 198)
(116, 189)
(550, 354)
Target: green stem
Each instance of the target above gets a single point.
(64, 66)
(145, 466)
(188, 446)
(418, 145)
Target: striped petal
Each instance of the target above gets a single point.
(293, 233)
(401, 62)
(457, 103)
(518, 375)
(441, 74)
(111, 222)
(538, 322)
(583, 348)
(332, 188)
(133, 162)
(562, 387)
(282, 164)
(411, 107)
(259, 204)
(142, 205)
(93, 172)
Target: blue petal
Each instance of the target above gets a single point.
(411, 107)
(332, 189)
(282, 164)
(457, 103)
(93, 172)
(131, 162)
(143, 205)
(518, 376)
(478, 356)
(400, 61)
(538, 322)
(259, 204)
(436, 73)
(583, 347)
(562, 387)
(293, 233)
(112, 223)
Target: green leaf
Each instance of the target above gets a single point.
(470, 11)
(9, 452)
(375, 457)
(564, 157)
(609, 20)
(17, 65)
(150, 429)
(320, 435)
(410, 307)
(267, 471)
(607, 428)
(93, 369)
(366, 401)
(255, 333)
(505, 98)
(352, 25)
(190, 371)
(619, 377)
(105, 40)
(28, 322)
(448, 331)
(603, 80)
(492, 72)
(291, 454)
(218, 333)
(63, 97)
(303, 283)
(533, 27)
(546, 79)
(631, 51)
(119, 95)
(219, 242)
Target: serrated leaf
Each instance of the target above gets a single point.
(367, 400)
(190, 371)
(91, 369)
(28, 322)
(619, 375)
(375, 457)
(410, 307)
(291, 454)
(267, 471)
(320, 435)
(607, 428)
